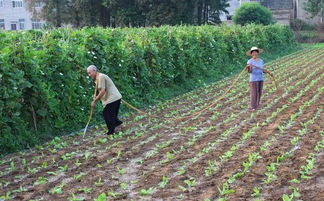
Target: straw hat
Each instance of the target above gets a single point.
(252, 49)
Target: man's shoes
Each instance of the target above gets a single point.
(108, 134)
(118, 123)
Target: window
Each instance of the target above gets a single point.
(2, 24)
(1, 3)
(21, 24)
(36, 24)
(13, 26)
(17, 4)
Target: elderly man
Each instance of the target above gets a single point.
(109, 95)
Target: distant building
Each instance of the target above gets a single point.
(283, 10)
(15, 16)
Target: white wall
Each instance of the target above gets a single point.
(12, 15)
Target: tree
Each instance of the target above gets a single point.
(89, 13)
(172, 12)
(131, 13)
(209, 10)
(253, 13)
(314, 7)
(55, 12)
(125, 12)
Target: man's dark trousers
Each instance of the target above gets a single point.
(110, 114)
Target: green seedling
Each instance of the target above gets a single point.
(114, 194)
(164, 182)
(87, 155)
(52, 173)
(183, 189)
(24, 162)
(191, 182)
(12, 166)
(74, 198)
(85, 190)
(78, 163)
(99, 182)
(44, 165)
(123, 186)
(181, 171)
(78, 176)
(63, 168)
(40, 180)
(145, 192)
(101, 197)
(58, 189)
(225, 190)
(20, 190)
(121, 171)
(256, 192)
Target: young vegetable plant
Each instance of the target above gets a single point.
(121, 171)
(256, 192)
(212, 167)
(123, 186)
(164, 182)
(87, 155)
(52, 173)
(63, 168)
(191, 182)
(12, 166)
(74, 198)
(181, 171)
(145, 192)
(101, 197)
(114, 194)
(40, 180)
(183, 189)
(225, 190)
(58, 189)
(7, 196)
(20, 190)
(78, 176)
(85, 190)
(44, 165)
(99, 182)
(295, 194)
(24, 162)
(78, 163)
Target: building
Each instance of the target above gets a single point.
(15, 16)
(283, 10)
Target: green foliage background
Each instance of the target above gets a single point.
(43, 72)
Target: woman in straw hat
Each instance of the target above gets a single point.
(255, 68)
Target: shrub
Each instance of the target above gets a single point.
(298, 24)
(253, 13)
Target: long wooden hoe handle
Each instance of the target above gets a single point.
(90, 118)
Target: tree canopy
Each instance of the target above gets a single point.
(130, 13)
